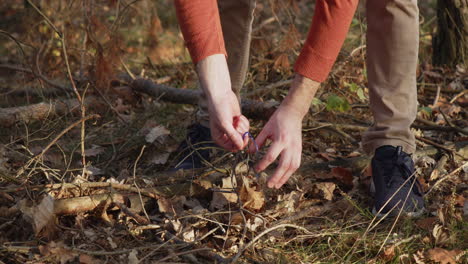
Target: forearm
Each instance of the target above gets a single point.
(300, 95)
(213, 74)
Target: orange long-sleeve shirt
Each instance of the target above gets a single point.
(201, 27)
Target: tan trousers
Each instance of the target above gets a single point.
(392, 54)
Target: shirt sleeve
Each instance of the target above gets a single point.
(201, 27)
(327, 33)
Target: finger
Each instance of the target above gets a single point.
(233, 136)
(294, 165)
(242, 125)
(271, 155)
(283, 167)
(260, 140)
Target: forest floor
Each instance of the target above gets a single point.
(85, 153)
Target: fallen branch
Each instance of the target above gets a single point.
(42, 111)
(448, 176)
(253, 109)
(72, 206)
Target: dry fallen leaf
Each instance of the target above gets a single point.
(87, 259)
(225, 195)
(160, 158)
(426, 223)
(94, 151)
(172, 206)
(251, 198)
(343, 175)
(57, 250)
(132, 257)
(325, 190)
(388, 253)
(41, 215)
(156, 133)
(443, 256)
(419, 257)
(440, 234)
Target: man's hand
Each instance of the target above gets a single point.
(284, 129)
(227, 124)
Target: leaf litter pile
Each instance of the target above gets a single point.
(86, 148)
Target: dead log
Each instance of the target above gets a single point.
(41, 111)
(251, 108)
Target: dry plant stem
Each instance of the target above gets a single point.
(255, 239)
(436, 98)
(439, 167)
(129, 212)
(446, 177)
(458, 96)
(78, 96)
(40, 155)
(135, 183)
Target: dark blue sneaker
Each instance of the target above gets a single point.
(395, 182)
(195, 150)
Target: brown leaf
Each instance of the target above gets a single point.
(343, 175)
(426, 223)
(325, 190)
(94, 151)
(251, 199)
(225, 196)
(156, 133)
(282, 63)
(41, 215)
(87, 259)
(160, 158)
(172, 206)
(443, 256)
(59, 251)
(440, 234)
(388, 253)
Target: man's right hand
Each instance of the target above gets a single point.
(227, 124)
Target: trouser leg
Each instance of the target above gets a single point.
(392, 54)
(236, 22)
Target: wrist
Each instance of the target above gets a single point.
(300, 95)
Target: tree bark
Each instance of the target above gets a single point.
(450, 43)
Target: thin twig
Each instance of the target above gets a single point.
(430, 142)
(255, 239)
(448, 176)
(135, 182)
